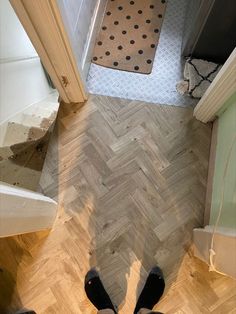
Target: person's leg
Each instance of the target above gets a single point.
(151, 293)
(97, 294)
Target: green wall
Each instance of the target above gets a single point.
(226, 133)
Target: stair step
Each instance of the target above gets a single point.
(39, 111)
(31, 120)
(36, 117)
(19, 176)
(15, 133)
(28, 125)
(38, 121)
(18, 133)
(48, 105)
(43, 109)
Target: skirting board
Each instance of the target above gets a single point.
(94, 29)
(224, 247)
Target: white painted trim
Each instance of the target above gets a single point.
(220, 90)
(43, 24)
(96, 22)
(222, 230)
(23, 211)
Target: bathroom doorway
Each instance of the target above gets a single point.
(160, 85)
(84, 19)
(188, 28)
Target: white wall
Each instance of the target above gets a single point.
(14, 40)
(22, 83)
(82, 20)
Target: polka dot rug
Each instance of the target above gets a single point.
(129, 35)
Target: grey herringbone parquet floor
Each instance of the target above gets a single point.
(130, 179)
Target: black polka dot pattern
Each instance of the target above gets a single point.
(129, 34)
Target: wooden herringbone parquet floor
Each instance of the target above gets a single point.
(130, 179)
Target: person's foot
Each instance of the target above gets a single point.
(152, 291)
(96, 292)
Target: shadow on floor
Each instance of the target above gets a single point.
(139, 180)
(130, 180)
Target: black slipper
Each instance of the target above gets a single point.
(152, 291)
(96, 292)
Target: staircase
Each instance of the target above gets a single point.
(21, 157)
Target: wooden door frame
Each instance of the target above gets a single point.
(43, 23)
(220, 90)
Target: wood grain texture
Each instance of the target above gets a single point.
(130, 179)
